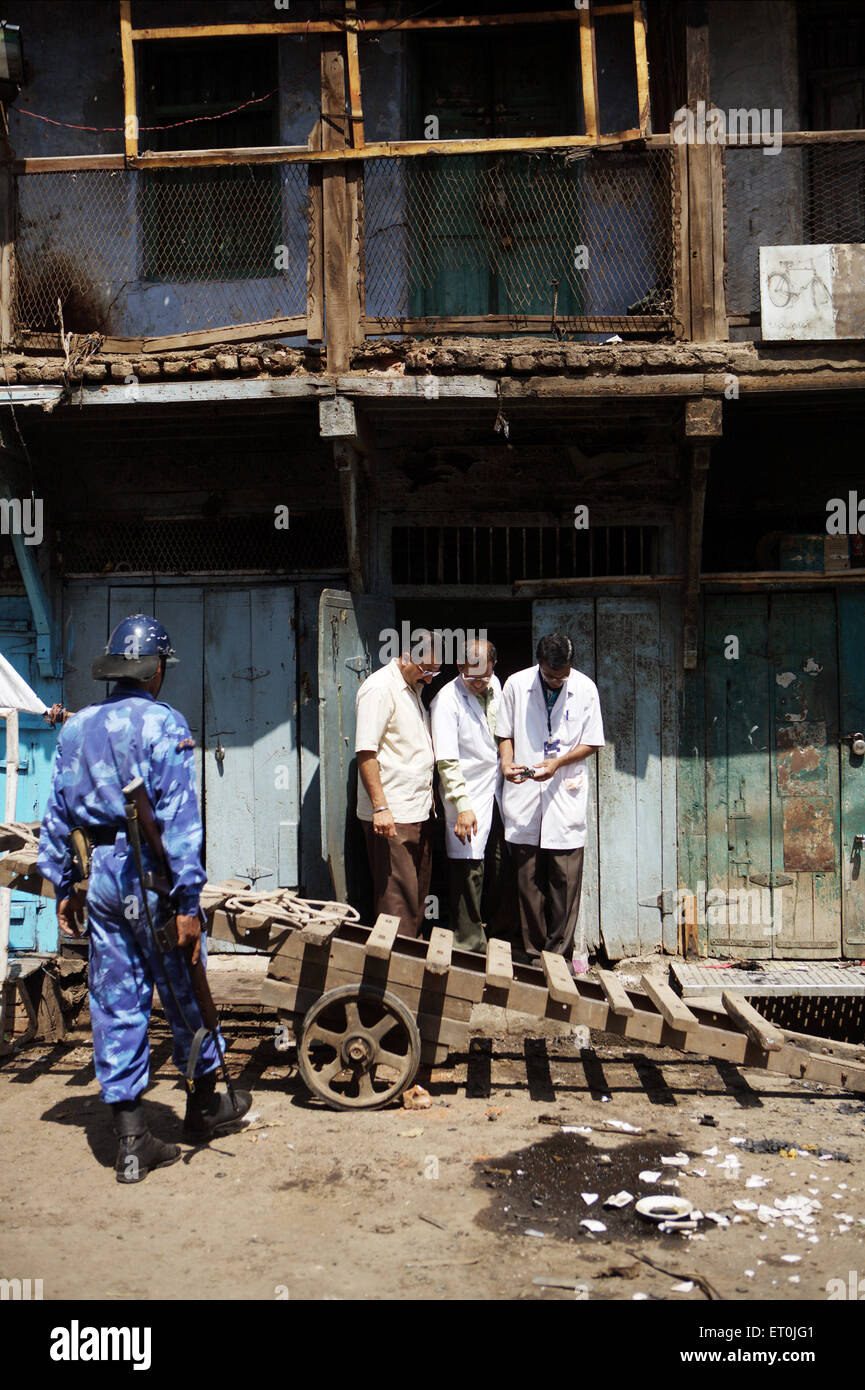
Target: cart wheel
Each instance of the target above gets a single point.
(359, 1049)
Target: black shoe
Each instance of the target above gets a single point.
(138, 1151)
(208, 1114)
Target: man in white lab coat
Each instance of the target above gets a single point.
(549, 723)
(463, 718)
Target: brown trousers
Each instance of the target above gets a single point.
(401, 868)
(549, 884)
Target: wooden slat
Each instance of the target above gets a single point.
(674, 1010)
(759, 1029)
(353, 70)
(300, 28)
(317, 933)
(315, 247)
(588, 66)
(380, 940)
(127, 53)
(500, 965)
(616, 993)
(560, 981)
(643, 105)
(386, 326)
(438, 956)
(719, 247)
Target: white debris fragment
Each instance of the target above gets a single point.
(593, 1225)
(530, 1232)
(745, 1206)
(793, 1279)
(589, 1197)
(685, 1287)
(576, 1129)
(619, 1199)
(698, 1172)
(736, 1139)
(623, 1125)
(749, 1273)
(756, 1181)
(649, 1175)
(718, 1218)
(639, 1296)
(710, 1153)
(791, 1259)
(678, 1160)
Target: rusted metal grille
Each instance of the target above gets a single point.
(501, 554)
(583, 240)
(204, 545)
(802, 195)
(148, 254)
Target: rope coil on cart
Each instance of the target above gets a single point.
(286, 907)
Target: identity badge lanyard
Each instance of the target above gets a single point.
(552, 745)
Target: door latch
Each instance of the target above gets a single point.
(857, 742)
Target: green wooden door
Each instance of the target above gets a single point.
(773, 803)
(851, 629)
(490, 232)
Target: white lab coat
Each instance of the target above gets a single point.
(460, 730)
(551, 814)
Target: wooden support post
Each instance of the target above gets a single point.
(702, 424)
(8, 193)
(702, 184)
(130, 106)
(645, 118)
(353, 491)
(315, 246)
(353, 73)
(340, 212)
(589, 70)
(681, 243)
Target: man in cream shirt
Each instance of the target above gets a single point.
(395, 775)
(549, 721)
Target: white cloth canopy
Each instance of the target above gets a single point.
(15, 693)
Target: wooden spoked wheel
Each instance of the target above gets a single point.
(359, 1048)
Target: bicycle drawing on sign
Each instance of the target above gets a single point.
(784, 289)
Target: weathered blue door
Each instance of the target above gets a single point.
(236, 684)
(773, 773)
(629, 873)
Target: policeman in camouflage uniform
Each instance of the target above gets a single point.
(101, 749)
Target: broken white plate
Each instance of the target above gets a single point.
(745, 1206)
(664, 1208)
(710, 1153)
(589, 1197)
(685, 1287)
(619, 1199)
(756, 1181)
(791, 1259)
(530, 1232)
(649, 1175)
(623, 1125)
(593, 1225)
(678, 1160)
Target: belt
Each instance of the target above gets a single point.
(102, 834)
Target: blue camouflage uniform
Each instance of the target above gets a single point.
(100, 750)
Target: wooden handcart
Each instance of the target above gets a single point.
(369, 1007)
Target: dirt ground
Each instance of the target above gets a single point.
(478, 1197)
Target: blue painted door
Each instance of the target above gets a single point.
(236, 684)
(629, 874)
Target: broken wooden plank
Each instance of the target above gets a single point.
(758, 1029)
(560, 981)
(673, 1009)
(379, 943)
(617, 995)
(438, 956)
(500, 965)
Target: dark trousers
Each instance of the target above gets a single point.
(480, 890)
(400, 868)
(549, 883)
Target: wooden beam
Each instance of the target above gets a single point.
(700, 209)
(499, 965)
(560, 981)
(336, 209)
(294, 326)
(589, 70)
(300, 28)
(438, 955)
(67, 163)
(319, 933)
(315, 246)
(643, 101)
(674, 1010)
(353, 493)
(379, 943)
(681, 242)
(386, 326)
(717, 186)
(353, 69)
(616, 993)
(699, 477)
(127, 53)
(759, 1029)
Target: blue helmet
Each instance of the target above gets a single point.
(134, 650)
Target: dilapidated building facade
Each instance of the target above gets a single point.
(318, 321)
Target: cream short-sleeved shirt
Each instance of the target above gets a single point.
(393, 724)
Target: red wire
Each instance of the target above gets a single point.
(112, 129)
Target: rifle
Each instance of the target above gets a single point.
(140, 819)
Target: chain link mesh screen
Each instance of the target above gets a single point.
(249, 543)
(803, 195)
(144, 254)
(517, 234)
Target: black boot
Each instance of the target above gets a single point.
(207, 1113)
(138, 1150)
